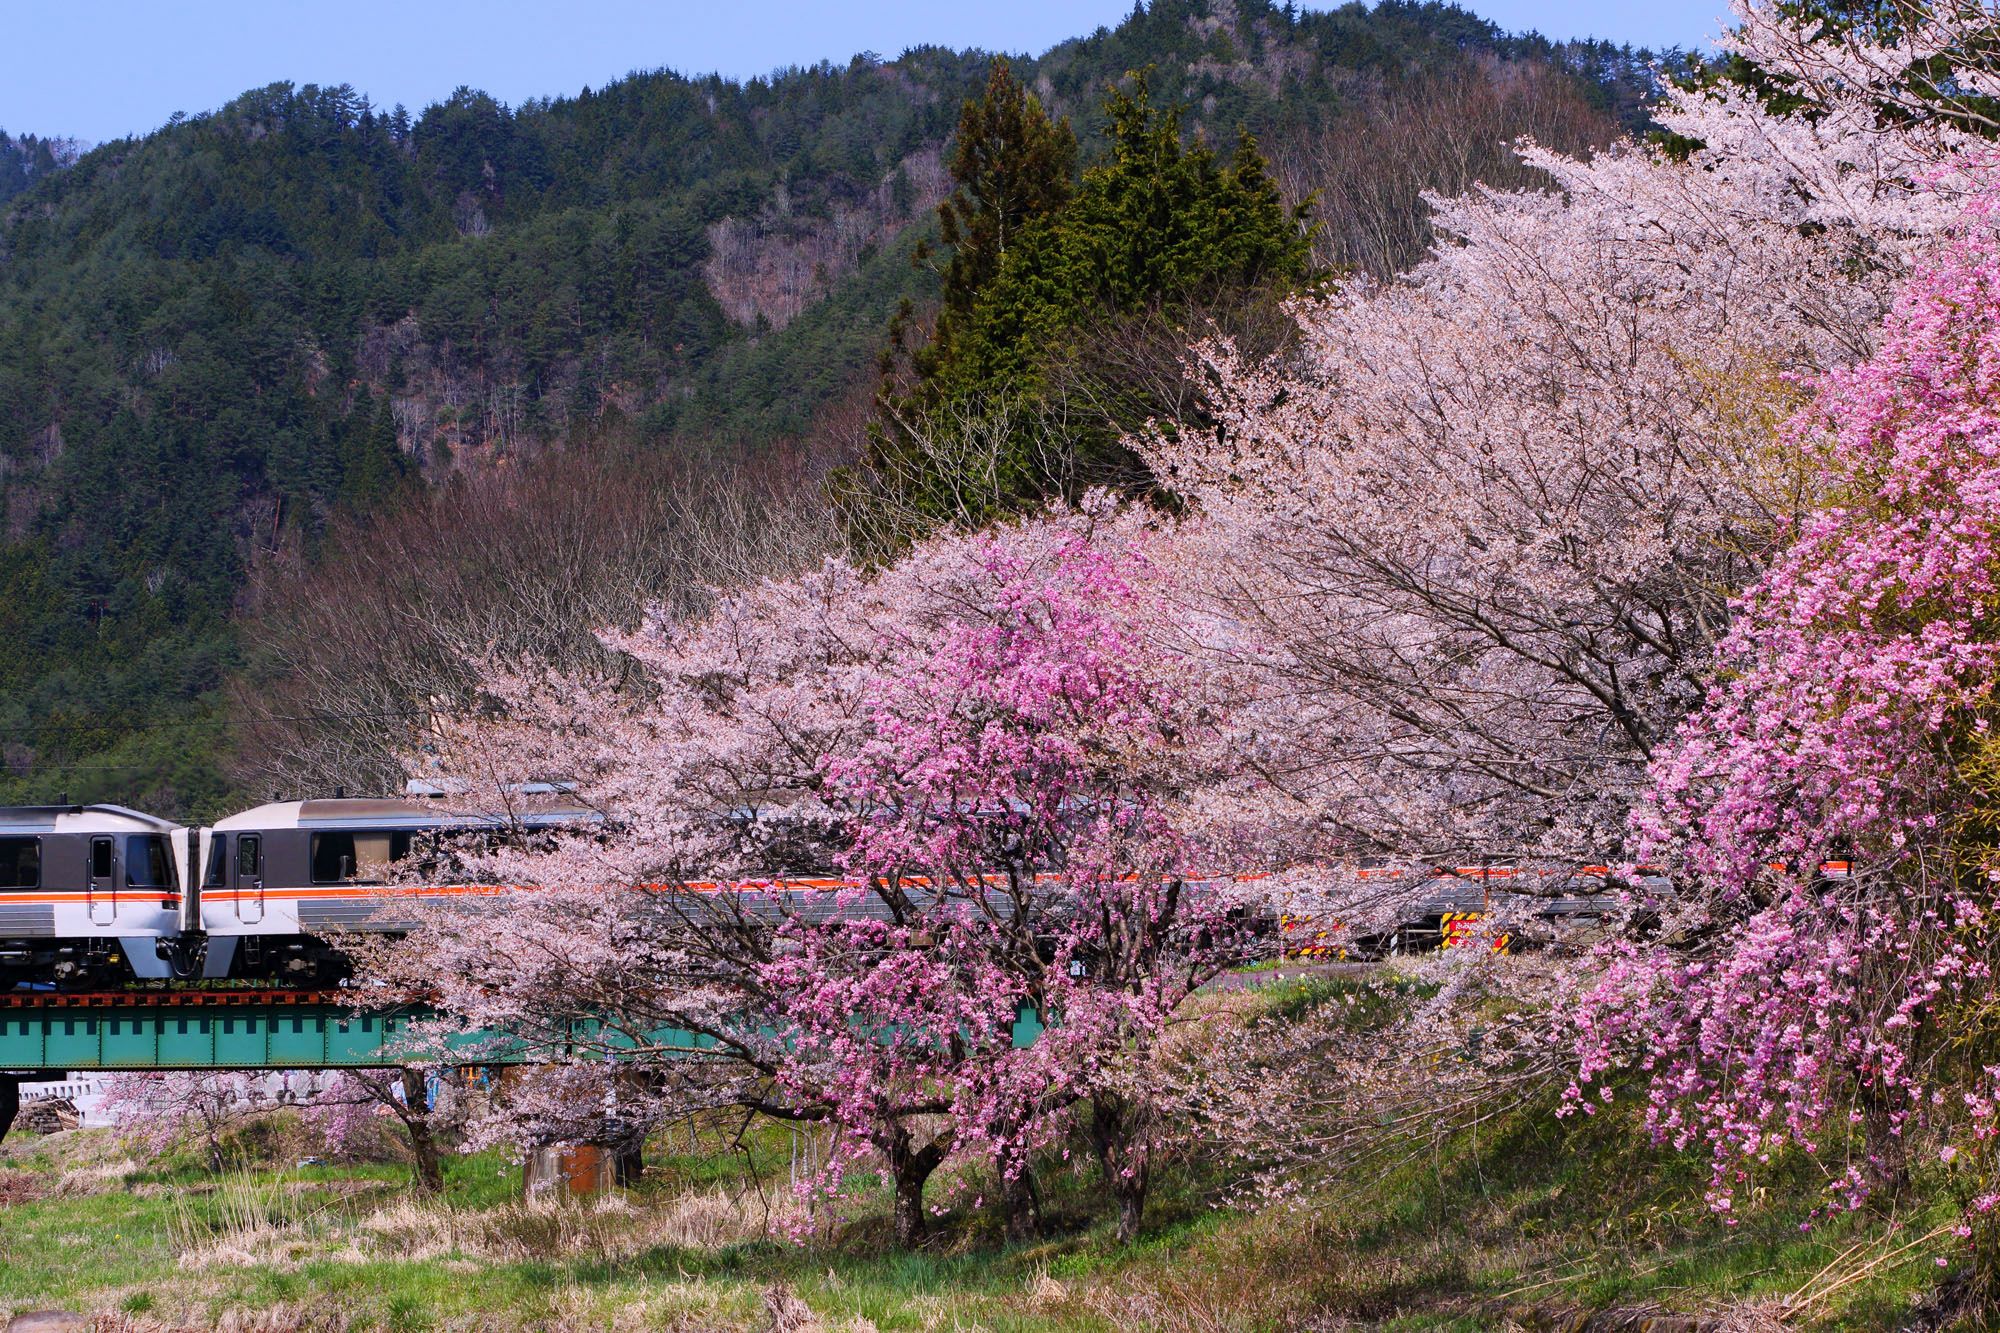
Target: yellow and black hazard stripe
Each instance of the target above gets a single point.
(1305, 937)
(1459, 930)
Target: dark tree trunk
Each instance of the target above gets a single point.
(628, 1155)
(1131, 1206)
(1117, 1126)
(423, 1144)
(630, 1165)
(1020, 1206)
(910, 1167)
(910, 1222)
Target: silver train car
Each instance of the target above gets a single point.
(87, 892)
(95, 896)
(278, 880)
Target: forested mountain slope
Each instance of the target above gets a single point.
(27, 157)
(219, 339)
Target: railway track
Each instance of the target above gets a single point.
(272, 997)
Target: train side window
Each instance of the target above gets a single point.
(361, 857)
(146, 861)
(20, 863)
(100, 858)
(332, 857)
(249, 856)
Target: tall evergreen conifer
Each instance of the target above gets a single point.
(1013, 166)
(1064, 314)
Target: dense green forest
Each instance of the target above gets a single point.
(224, 339)
(27, 158)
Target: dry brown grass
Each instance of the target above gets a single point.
(70, 1163)
(21, 1187)
(284, 1318)
(609, 1228)
(270, 1224)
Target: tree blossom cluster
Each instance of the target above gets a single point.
(1484, 522)
(1479, 538)
(1861, 669)
(163, 1111)
(1851, 721)
(1482, 533)
(1002, 747)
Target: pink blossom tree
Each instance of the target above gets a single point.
(999, 741)
(884, 1023)
(341, 1104)
(1036, 776)
(160, 1111)
(1852, 721)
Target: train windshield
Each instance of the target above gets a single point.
(360, 857)
(20, 863)
(146, 863)
(211, 878)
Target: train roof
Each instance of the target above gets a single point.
(80, 819)
(352, 812)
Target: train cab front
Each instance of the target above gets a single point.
(85, 893)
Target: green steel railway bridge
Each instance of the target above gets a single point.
(44, 1035)
(256, 1029)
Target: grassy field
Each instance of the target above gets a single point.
(1537, 1224)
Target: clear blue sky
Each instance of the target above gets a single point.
(99, 69)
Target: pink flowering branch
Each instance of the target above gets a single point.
(1850, 721)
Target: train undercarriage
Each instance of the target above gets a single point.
(110, 963)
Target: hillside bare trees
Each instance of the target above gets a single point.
(1439, 133)
(355, 651)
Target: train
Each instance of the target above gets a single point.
(87, 892)
(98, 897)
(103, 897)
(95, 896)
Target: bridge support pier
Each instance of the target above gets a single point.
(10, 1101)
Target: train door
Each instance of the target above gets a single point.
(249, 878)
(103, 881)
